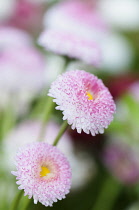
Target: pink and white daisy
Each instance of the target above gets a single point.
(43, 172)
(82, 164)
(75, 29)
(85, 101)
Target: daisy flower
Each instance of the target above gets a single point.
(43, 172)
(82, 165)
(85, 101)
(75, 29)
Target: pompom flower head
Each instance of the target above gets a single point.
(43, 172)
(86, 103)
(74, 28)
(82, 164)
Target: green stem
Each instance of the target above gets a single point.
(16, 200)
(61, 132)
(108, 195)
(49, 107)
(7, 120)
(25, 203)
(47, 112)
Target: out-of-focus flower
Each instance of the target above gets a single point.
(43, 172)
(85, 101)
(121, 155)
(21, 64)
(122, 161)
(134, 90)
(117, 54)
(75, 29)
(27, 15)
(17, 38)
(21, 68)
(6, 9)
(82, 165)
(123, 14)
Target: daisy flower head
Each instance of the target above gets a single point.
(43, 172)
(82, 165)
(75, 29)
(85, 101)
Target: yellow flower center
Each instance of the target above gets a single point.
(44, 171)
(90, 97)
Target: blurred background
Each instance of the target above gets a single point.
(105, 168)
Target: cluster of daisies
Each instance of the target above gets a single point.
(43, 171)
